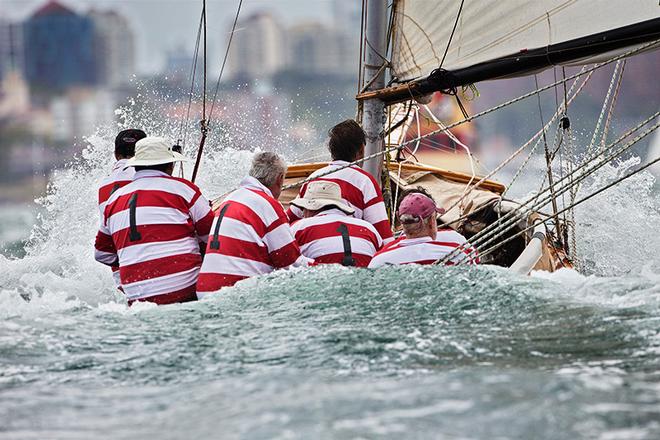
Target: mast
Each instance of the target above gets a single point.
(373, 120)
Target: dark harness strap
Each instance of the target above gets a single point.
(115, 187)
(348, 259)
(134, 235)
(215, 243)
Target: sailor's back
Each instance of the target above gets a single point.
(153, 228)
(322, 238)
(249, 236)
(425, 250)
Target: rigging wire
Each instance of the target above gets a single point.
(491, 233)
(588, 167)
(548, 162)
(615, 97)
(193, 75)
(477, 115)
(224, 60)
(451, 36)
(572, 205)
(532, 93)
(205, 123)
(404, 144)
(513, 216)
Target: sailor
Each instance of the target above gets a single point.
(329, 233)
(120, 175)
(358, 188)
(250, 233)
(153, 228)
(423, 243)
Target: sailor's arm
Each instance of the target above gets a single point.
(104, 248)
(294, 213)
(202, 217)
(374, 210)
(281, 244)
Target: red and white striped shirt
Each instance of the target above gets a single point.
(250, 236)
(321, 238)
(360, 190)
(425, 250)
(153, 229)
(117, 178)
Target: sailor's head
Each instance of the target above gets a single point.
(269, 169)
(417, 215)
(125, 142)
(155, 153)
(320, 196)
(347, 140)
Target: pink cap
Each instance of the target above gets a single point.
(419, 206)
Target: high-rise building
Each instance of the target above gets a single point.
(11, 47)
(59, 48)
(316, 49)
(258, 49)
(114, 46)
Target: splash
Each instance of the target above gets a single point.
(59, 259)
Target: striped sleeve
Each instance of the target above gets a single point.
(375, 212)
(104, 248)
(294, 213)
(202, 216)
(282, 246)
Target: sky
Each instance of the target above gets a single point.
(165, 24)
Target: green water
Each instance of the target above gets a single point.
(410, 352)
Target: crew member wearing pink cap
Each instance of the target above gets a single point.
(423, 242)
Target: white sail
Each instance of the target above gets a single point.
(492, 29)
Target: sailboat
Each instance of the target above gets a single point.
(411, 49)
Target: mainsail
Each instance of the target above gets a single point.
(494, 39)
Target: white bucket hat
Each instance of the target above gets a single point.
(154, 151)
(321, 193)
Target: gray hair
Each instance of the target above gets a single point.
(267, 167)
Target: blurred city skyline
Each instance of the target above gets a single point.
(173, 26)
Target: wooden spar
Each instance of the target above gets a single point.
(373, 120)
(526, 62)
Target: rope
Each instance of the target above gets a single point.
(488, 233)
(224, 59)
(590, 148)
(475, 116)
(573, 205)
(193, 73)
(549, 86)
(548, 159)
(519, 150)
(205, 123)
(451, 36)
(419, 137)
(615, 97)
(486, 236)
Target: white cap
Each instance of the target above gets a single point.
(154, 151)
(321, 193)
